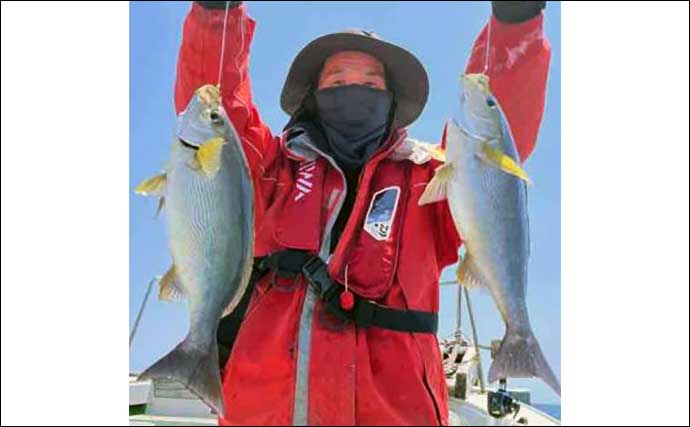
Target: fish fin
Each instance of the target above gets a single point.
(161, 204)
(436, 189)
(467, 273)
(521, 357)
(194, 366)
(496, 158)
(436, 152)
(209, 156)
(153, 186)
(169, 287)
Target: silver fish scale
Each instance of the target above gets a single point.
(198, 207)
(492, 212)
(489, 207)
(211, 235)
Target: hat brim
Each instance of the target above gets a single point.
(407, 78)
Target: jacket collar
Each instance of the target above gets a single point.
(302, 149)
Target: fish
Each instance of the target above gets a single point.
(486, 188)
(207, 195)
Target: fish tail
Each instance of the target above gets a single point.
(195, 367)
(521, 357)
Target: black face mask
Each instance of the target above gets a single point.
(355, 119)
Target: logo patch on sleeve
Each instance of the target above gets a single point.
(381, 213)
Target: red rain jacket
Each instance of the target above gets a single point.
(292, 363)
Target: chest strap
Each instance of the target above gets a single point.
(290, 263)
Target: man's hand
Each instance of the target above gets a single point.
(516, 11)
(218, 4)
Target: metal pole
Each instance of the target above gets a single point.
(458, 318)
(475, 340)
(141, 310)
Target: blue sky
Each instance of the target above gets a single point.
(441, 35)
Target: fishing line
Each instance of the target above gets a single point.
(222, 42)
(487, 46)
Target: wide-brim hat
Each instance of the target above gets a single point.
(406, 76)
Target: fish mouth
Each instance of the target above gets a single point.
(477, 81)
(208, 94)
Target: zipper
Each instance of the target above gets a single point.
(325, 241)
(301, 401)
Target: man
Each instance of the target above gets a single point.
(341, 320)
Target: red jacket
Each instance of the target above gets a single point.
(292, 363)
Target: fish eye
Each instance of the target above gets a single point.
(215, 117)
(490, 102)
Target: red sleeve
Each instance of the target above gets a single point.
(198, 64)
(517, 67)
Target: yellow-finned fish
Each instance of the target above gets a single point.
(486, 189)
(209, 208)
